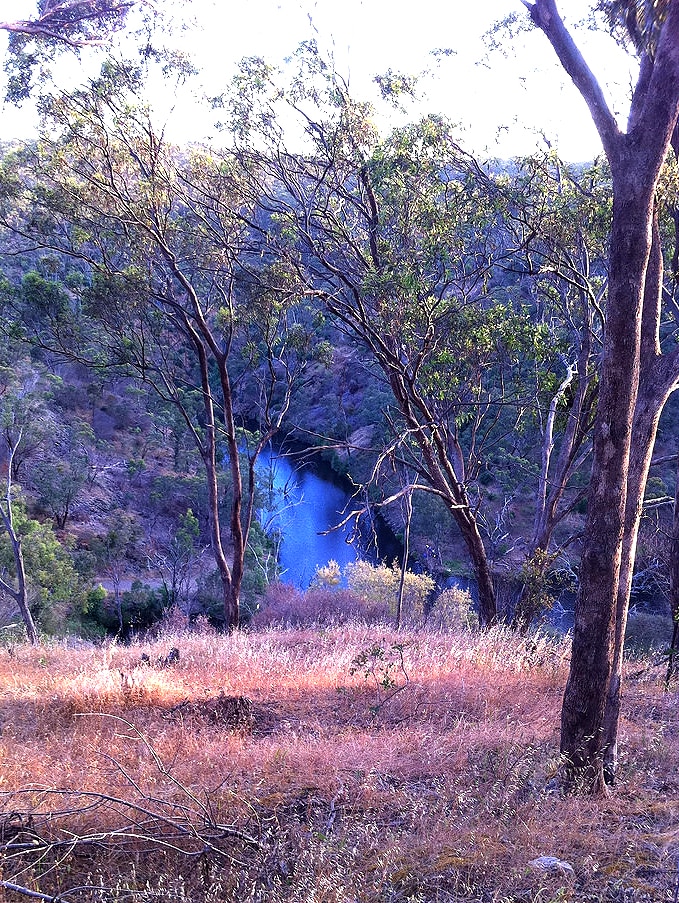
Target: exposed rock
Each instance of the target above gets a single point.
(361, 438)
(551, 864)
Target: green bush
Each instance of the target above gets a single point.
(141, 607)
(54, 587)
(453, 610)
(378, 586)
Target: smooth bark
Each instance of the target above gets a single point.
(439, 457)
(18, 592)
(658, 379)
(635, 158)
(674, 584)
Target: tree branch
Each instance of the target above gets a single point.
(545, 16)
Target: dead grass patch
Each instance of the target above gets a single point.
(258, 767)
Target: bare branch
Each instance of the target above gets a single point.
(545, 16)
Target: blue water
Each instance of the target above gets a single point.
(304, 507)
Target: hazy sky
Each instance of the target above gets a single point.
(504, 99)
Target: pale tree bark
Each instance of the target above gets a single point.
(635, 158)
(573, 446)
(207, 348)
(18, 592)
(407, 509)
(657, 380)
(435, 455)
(674, 584)
(440, 457)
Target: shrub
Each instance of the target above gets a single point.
(328, 575)
(54, 587)
(536, 597)
(647, 631)
(284, 604)
(141, 607)
(454, 610)
(89, 620)
(378, 586)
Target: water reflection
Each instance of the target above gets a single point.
(304, 506)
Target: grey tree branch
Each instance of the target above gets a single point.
(545, 16)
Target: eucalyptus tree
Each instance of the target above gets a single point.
(635, 377)
(399, 238)
(75, 23)
(559, 221)
(55, 26)
(21, 411)
(171, 287)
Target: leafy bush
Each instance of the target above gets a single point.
(54, 586)
(328, 575)
(647, 631)
(454, 610)
(142, 606)
(378, 586)
(89, 619)
(536, 596)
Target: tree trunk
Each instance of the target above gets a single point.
(21, 595)
(229, 595)
(408, 512)
(635, 159)
(238, 537)
(441, 474)
(208, 450)
(655, 385)
(674, 584)
(482, 573)
(643, 439)
(582, 737)
(571, 452)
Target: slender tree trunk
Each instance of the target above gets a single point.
(21, 595)
(408, 511)
(229, 597)
(238, 536)
(205, 343)
(571, 453)
(457, 503)
(674, 584)
(481, 569)
(552, 482)
(208, 450)
(543, 521)
(655, 384)
(441, 474)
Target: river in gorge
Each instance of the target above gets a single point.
(305, 502)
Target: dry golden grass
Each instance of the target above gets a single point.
(123, 780)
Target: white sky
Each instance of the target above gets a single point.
(503, 101)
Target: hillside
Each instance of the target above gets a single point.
(337, 765)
